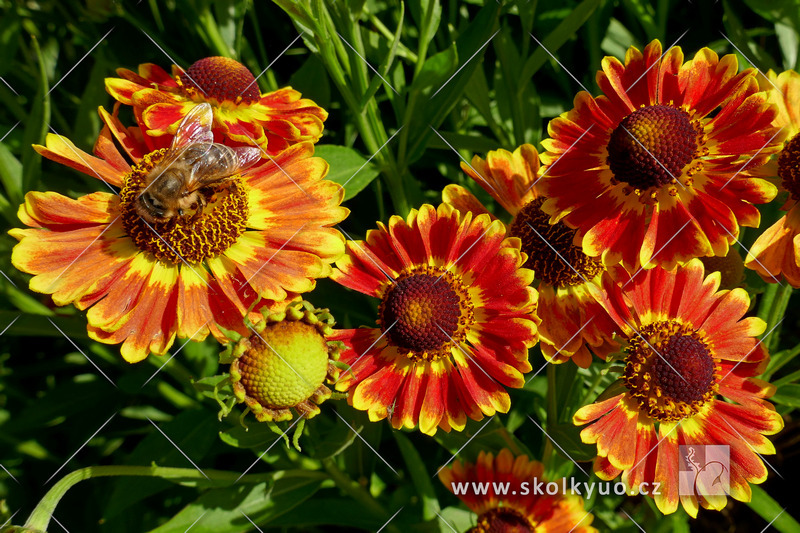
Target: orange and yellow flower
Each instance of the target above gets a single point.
(515, 510)
(571, 318)
(264, 234)
(273, 121)
(657, 170)
(776, 252)
(688, 380)
(455, 321)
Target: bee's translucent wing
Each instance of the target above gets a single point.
(212, 163)
(247, 156)
(194, 128)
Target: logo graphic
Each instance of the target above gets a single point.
(704, 470)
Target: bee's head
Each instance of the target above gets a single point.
(151, 208)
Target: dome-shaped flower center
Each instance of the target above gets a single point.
(502, 520)
(551, 253)
(283, 365)
(685, 370)
(670, 370)
(191, 237)
(789, 166)
(422, 311)
(651, 146)
(221, 78)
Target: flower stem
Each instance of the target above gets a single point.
(355, 491)
(39, 520)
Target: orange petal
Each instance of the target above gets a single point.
(463, 200)
(62, 150)
(139, 311)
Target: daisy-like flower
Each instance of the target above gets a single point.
(455, 321)
(776, 252)
(571, 318)
(263, 233)
(274, 121)
(688, 379)
(516, 510)
(657, 170)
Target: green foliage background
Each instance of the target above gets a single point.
(409, 127)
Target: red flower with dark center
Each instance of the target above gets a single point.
(689, 372)
(455, 321)
(274, 121)
(514, 510)
(659, 169)
(263, 235)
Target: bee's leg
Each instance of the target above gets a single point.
(201, 203)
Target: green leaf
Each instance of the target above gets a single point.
(26, 302)
(617, 39)
(427, 14)
(329, 512)
(311, 79)
(87, 123)
(193, 432)
(436, 70)
(386, 63)
(419, 475)
(326, 437)
(471, 45)
(768, 509)
(787, 38)
(568, 437)
(788, 394)
(38, 326)
(791, 378)
(737, 33)
(348, 168)
(487, 435)
(207, 385)
(645, 14)
(455, 519)
(477, 144)
(556, 38)
(37, 124)
(230, 510)
(8, 211)
(256, 435)
(11, 175)
(64, 402)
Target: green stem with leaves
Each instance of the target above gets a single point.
(39, 520)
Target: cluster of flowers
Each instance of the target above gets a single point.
(608, 225)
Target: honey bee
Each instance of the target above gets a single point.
(175, 186)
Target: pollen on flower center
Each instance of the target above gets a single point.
(670, 370)
(789, 166)
(222, 78)
(651, 146)
(421, 312)
(551, 253)
(191, 237)
(502, 520)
